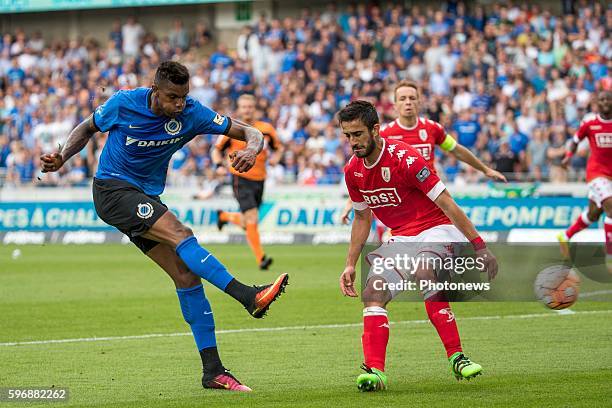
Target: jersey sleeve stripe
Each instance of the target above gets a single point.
(229, 125)
(93, 119)
(436, 191)
(576, 139)
(360, 206)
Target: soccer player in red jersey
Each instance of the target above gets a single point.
(393, 181)
(424, 134)
(597, 129)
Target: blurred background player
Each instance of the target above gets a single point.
(392, 180)
(423, 134)
(248, 186)
(597, 129)
(146, 127)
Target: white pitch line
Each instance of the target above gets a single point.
(292, 328)
(595, 293)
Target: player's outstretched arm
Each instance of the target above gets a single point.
(359, 236)
(463, 223)
(243, 160)
(77, 140)
(463, 154)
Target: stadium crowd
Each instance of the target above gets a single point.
(510, 82)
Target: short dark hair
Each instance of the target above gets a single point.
(173, 72)
(362, 110)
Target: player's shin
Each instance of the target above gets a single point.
(203, 263)
(443, 319)
(254, 241)
(375, 336)
(198, 314)
(608, 232)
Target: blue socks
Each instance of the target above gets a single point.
(203, 263)
(197, 312)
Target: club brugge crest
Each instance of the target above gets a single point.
(423, 134)
(144, 210)
(386, 173)
(173, 127)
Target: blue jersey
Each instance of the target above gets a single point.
(140, 143)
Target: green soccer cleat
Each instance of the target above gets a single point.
(372, 380)
(564, 245)
(462, 367)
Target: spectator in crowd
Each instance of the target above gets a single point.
(512, 82)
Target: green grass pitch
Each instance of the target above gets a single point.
(532, 357)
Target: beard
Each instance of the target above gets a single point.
(368, 149)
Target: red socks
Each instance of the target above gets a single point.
(443, 319)
(375, 336)
(581, 223)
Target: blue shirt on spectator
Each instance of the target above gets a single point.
(467, 132)
(518, 142)
(219, 57)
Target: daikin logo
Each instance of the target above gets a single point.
(151, 143)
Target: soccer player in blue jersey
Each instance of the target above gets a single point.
(146, 126)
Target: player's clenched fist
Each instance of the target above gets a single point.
(51, 162)
(347, 282)
(243, 160)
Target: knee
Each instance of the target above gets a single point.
(186, 279)
(183, 232)
(594, 213)
(374, 295)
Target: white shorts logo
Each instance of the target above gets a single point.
(144, 211)
(450, 316)
(173, 127)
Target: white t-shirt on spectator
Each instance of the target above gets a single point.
(131, 38)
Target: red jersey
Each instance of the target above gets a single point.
(399, 188)
(599, 133)
(423, 136)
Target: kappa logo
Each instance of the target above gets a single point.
(218, 119)
(386, 173)
(450, 316)
(410, 160)
(144, 210)
(423, 134)
(401, 154)
(173, 127)
(391, 148)
(356, 174)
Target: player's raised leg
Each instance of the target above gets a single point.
(169, 230)
(223, 217)
(375, 336)
(198, 314)
(585, 219)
